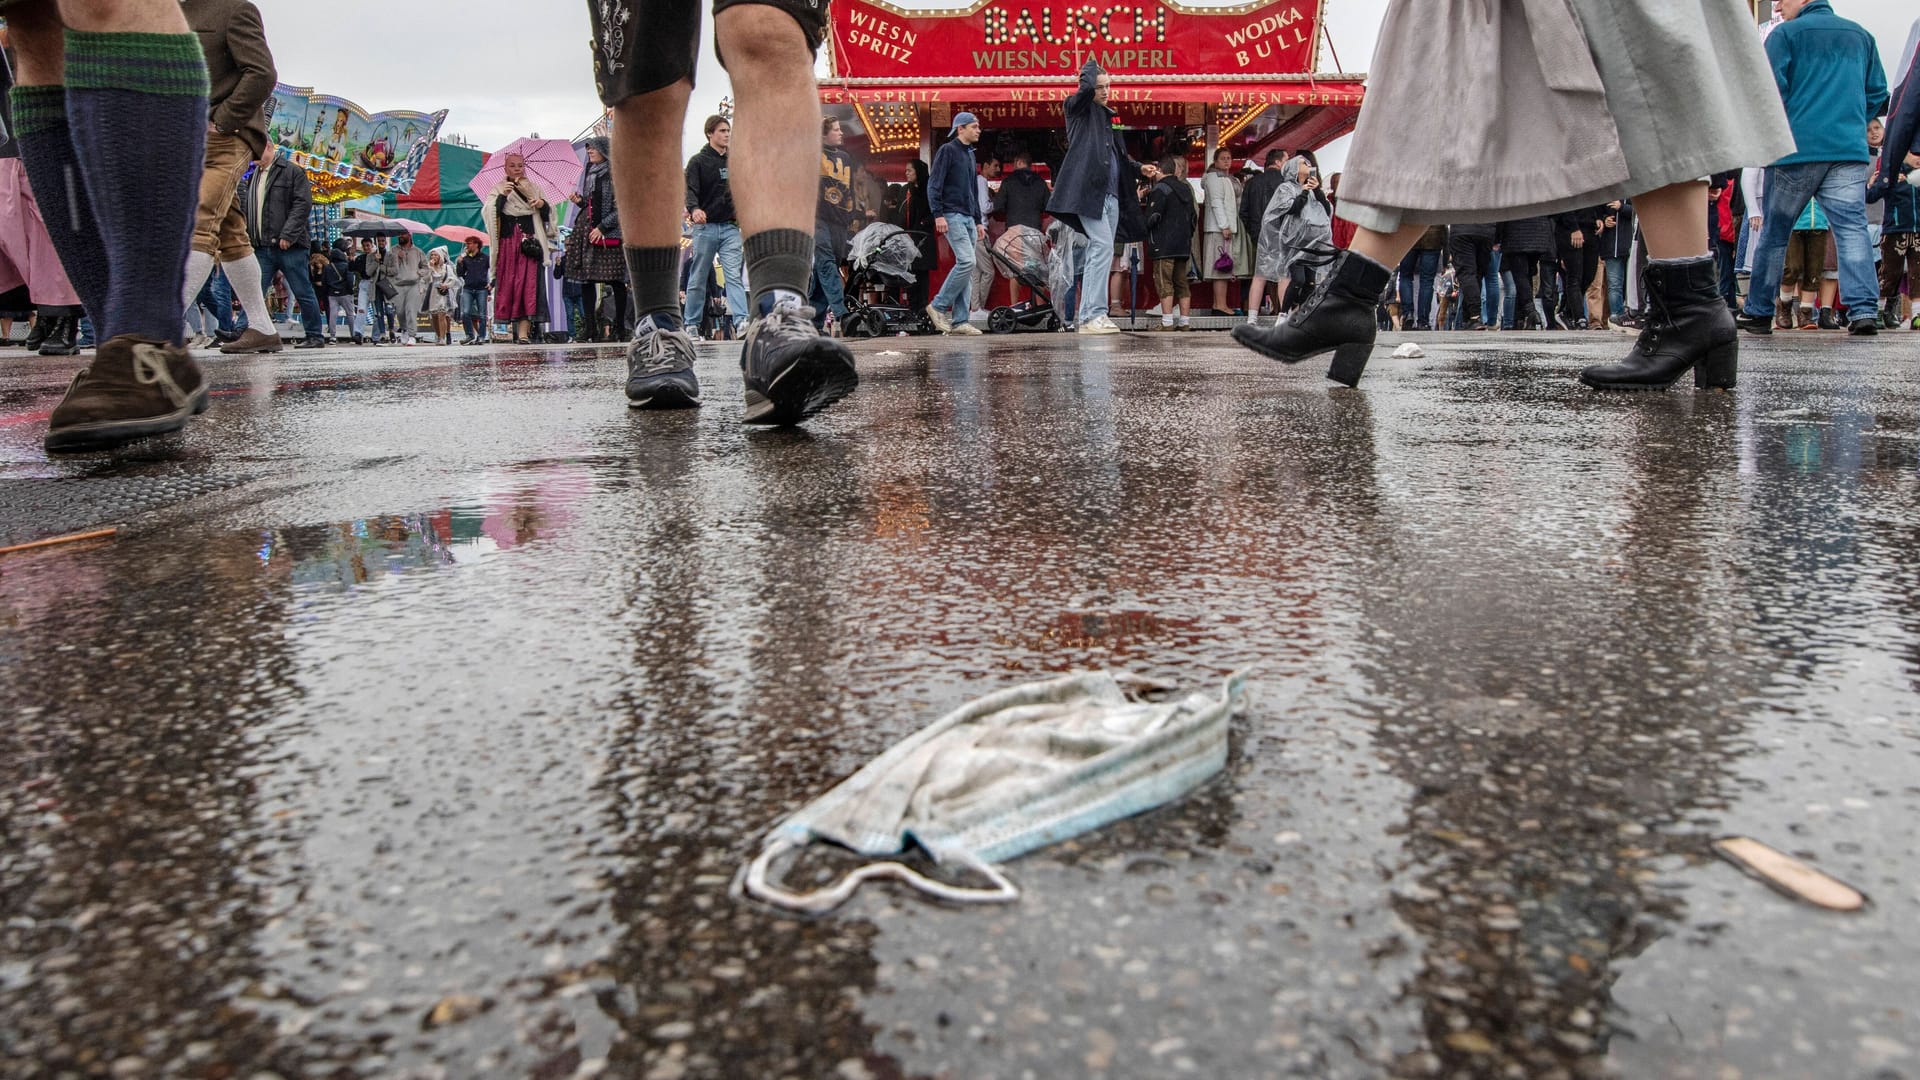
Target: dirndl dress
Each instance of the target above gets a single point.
(1555, 105)
(591, 262)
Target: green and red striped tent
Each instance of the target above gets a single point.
(440, 195)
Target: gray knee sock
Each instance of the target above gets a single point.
(779, 259)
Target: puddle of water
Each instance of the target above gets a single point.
(350, 554)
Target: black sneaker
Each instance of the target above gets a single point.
(791, 370)
(312, 343)
(660, 369)
(1754, 324)
(1863, 327)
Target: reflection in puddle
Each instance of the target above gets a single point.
(357, 552)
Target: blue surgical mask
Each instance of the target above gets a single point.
(1017, 770)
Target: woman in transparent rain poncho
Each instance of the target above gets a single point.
(1570, 103)
(1296, 237)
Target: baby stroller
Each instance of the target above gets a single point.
(1021, 254)
(882, 258)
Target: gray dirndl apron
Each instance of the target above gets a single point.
(1551, 105)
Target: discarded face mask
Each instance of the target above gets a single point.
(1012, 772)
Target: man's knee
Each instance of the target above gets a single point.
(761, 40)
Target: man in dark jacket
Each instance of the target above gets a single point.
(1170, 214)
(1093, 192)
(341, 290)
(954, 193)
(1527, 246)
(1616, 254)
(472, 270)
(1022, 198)
(1831, 81)
(276, 202)
(1573, 235)
(1472, 249)
(241, 71)
(1253, 213)
(715, 230)
(117, 106)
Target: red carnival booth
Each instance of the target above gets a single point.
(1195, 77)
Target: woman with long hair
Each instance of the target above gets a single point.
(917, 218)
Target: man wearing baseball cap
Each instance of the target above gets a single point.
(955, 199)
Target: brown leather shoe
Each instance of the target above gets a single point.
(252, 341)
(135, 387)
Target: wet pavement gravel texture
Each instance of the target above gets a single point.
(418, 719)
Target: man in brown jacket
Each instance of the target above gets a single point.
(240, 79)
(110, 113)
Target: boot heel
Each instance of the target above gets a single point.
(1349, 362)
(1718, 369)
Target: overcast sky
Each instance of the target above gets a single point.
(507, 68)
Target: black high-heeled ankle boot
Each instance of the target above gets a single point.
(1337, 317)
(1688, 326)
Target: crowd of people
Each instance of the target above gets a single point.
(1260, 235)
(1572, 200)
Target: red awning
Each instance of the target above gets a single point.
(1051, 91)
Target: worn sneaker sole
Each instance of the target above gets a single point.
(103, 434)
(663, 397)
(814, 381)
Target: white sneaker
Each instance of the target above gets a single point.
(1099, 324)
(942, 321)
(964, 329)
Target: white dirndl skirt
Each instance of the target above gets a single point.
(1491, 110)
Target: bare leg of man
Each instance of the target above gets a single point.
(790, 370)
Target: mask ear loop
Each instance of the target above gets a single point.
(826, 899)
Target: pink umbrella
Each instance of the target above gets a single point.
(551, 165)
(460, 234)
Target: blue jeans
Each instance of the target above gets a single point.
(1509, 300)
(217, 296)
(1616, 286)
(722, 240)
(952, 298)
(1424, 266)
(827, 292)
(473, 312)
(1491, 290)
(1842, 189)
(293, 263)
(1093, 279)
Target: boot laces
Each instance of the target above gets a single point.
(1660, 318)
(150, 369)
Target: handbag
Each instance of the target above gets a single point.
(530, 247)
(1224, 263)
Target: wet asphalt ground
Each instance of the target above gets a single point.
(420, 715)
